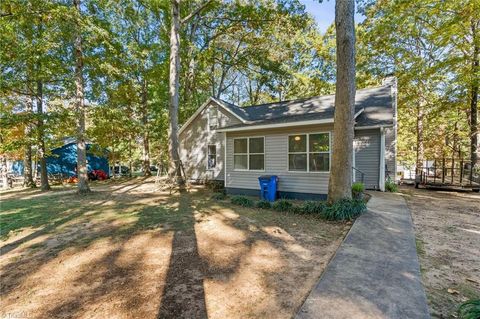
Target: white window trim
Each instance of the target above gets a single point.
(248, 154)
(216, 156)
(308, 153)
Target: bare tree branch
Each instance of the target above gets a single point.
(195, 12)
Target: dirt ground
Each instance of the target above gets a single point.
(128, 251)
(447, 226)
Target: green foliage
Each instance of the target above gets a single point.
(295, 209)
(357, 190)
(282, 205)
(344, 209)
(246, 52)
(469, 309)
(391, 186)
(435, 85)
(242, 201)
(264, 204)
(219, 196)
(312, 207)
(358, 187)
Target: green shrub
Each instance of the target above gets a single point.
(391, 186)
(312, 207)
(282, 205)
(358, 187)
(264, 204)
(469, 309)
(242, 201)
(295, 209)
(344, 209)
(219, 196)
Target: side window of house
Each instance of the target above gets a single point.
(309, 152)
(297, 152)
(256, 154)
(319, 152)
(240, 153)
(212, 118)
(212, 156)
(249, 153)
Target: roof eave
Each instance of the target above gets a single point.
(369, 127)
(279, 125)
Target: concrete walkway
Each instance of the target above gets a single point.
(375, 272)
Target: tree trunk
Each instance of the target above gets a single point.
(474, 147)
(82, 171)
(130, 159)
(3, 172)
(340, 183)
(40, 139)
(420, 146)
(146, 146)
(27, 160)
(173, 143)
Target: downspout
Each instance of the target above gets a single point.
(381, 182)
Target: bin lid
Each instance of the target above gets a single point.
(267, 176)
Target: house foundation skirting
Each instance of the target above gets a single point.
(280, 194)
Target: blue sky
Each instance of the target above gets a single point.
(324, 13)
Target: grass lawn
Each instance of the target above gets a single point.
(128, 251)
(447, 227)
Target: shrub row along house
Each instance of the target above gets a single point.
(290, 139)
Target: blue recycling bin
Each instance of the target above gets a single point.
(268, 187)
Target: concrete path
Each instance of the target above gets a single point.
(375, 272)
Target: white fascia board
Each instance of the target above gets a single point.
(194, 115)
(358, 113)
(201, 108)
(229, 111)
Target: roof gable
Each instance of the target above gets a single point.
(373, 106)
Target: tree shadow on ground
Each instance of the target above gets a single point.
(183, 293)
(169, 222)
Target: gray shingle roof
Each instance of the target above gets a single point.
(377, 104)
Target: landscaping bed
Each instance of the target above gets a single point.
(131, 251)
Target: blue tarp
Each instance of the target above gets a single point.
(63, 160)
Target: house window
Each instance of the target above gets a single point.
(309, 152)
(297, 152)
(319, 152)
(249, 153)
(240, 153)
(212, 156)
(212, 118)
(256, 154)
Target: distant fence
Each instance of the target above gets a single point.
(448, 172)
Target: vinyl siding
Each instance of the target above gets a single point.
(194, 141)
(276, 162)
(367, 156)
